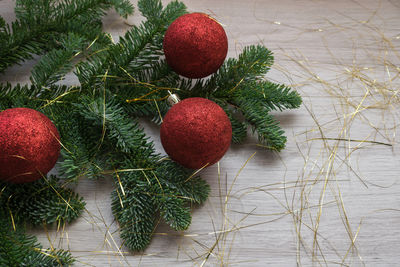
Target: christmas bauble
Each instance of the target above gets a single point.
(29, 145)
(196, 132)
(195, 45)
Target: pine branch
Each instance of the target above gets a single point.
(173, 209)
(192, 188)
(20, 249)
(268, 130)
(123, 7)
(255, 100)
(141, 192)
(138, 49)
(58, 62)
(104, 64)
(151, 10)
(239, 128)
(2, 24)
(134, 210)
(12, 96)
(3, 31)
(270, 95)
(40, 23)
(253, 63)
(27, 95)
(43, 201)
(123, 131)
(82, 153)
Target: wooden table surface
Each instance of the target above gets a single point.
(332, 197)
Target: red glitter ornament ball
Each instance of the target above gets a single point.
(29, 145)
(196, 132)
(195, 45)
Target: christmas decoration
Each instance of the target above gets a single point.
(29, 145)
(98, 127)
(195, 45)
(196, 133)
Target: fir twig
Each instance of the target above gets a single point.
(19, 249)
(40, 24)
(43, 201)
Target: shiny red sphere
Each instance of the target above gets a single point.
(195, 45)
(196, 132)
(29, 145)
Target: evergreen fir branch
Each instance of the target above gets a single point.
(90, 153)
(17, 48)
(174, 177)
(173, 209)
(48, 258)
(104, 63)
(280, 96)
(268, 130)
(81, 152)
(151, 86)
(19, 249)
(31, 96)
(2, 24)
(40, 24)
(72, 9)
(253, 63)
(154, 110)
(164, 188)
(194, 189)
(123, 7)
(3, 31)
(56, 63)
(42, 201)
(151, 10)
(153, 185)
(174, 188)
(134, 210)
(172, 11)
(32, 10)
(139, 48)
(255, 100)
(239, 128)
(123, 131)
(13, 96)
(271, 95)
(81, 163)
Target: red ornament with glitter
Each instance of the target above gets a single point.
(29, 145)
(195, 45)
(196, 132)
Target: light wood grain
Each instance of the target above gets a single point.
(361, 188)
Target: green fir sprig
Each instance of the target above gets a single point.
(41, 202)
(97, 119)
(41, 24)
